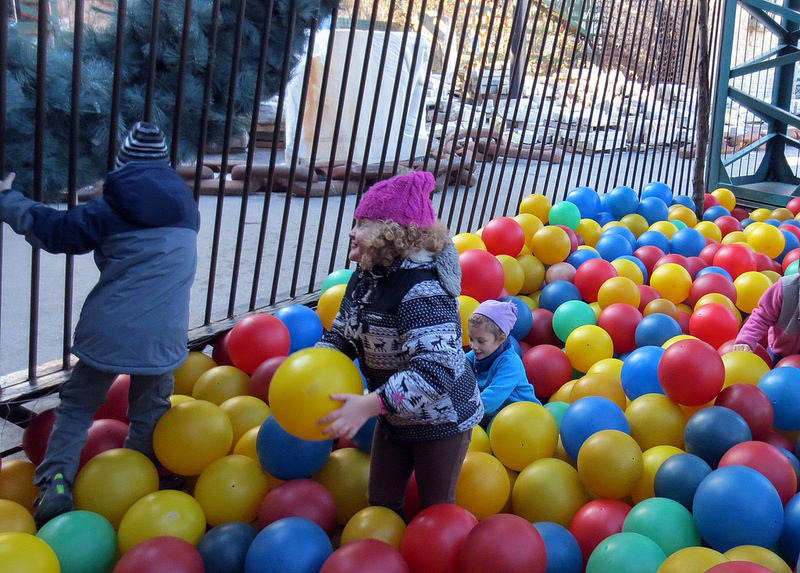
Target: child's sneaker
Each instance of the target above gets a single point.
(54, 499)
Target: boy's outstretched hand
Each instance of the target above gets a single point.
(355, 411)
(8, 181)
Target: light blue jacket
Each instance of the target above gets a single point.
(143, 232)
(503, 382)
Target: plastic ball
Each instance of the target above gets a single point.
(192, 368)
(596, 521)
(586, 345)
(692, 560)
(619, 290)
(665, 521)
(652, 459)
(570, 315)
(714, 324)
(654, 239)
(162, 513)
(782, 387)
(631, 268)
(224, 547)
(26, 553)
(659, 190)
(736, 259)
(14, 517)
(220, 348)
(715, 212)
(368, 555)
(755, 555)
(547, 369)
(288, 457)
(377, 522)
(623, 231)
(291, 545)
(612, 246)
(116, 404)
(672, 281)
(84, 542)
(667, 228)
(483, 485)
(683, 214)
(16, 482)
(653, 209)
(750, 287)
(587, 416)
(679, 477)
(752, 404)
(551, 245)
(640, 372)
(329, 303)
(592, 384)
(684, 200)
(620, 321)
(656, 421)
(636, 223)
(560, 272)
(346, 476)
(221, 383)
(536, 204)
(625, 553)
(563, 551)
(586, 200)
(591, 275)
(548, 490)
(661, 306)
(767, 460)
(765, 239)
(434, 538)
(557, 293)
(482, 275)
(725, 197)
(713, 431)
(231, 489)
(503, 236)
(338, 277)
(257, 338)
(245, 413)
(467, 241)
(656, 329)
(522, 433)
(103, 435)
(691, 372)
(622, 201)
(687, 242)
(299, 498)
(566, 213)
(305, 326)
(37, 434)
(610, 464)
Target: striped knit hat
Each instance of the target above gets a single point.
(145, 142)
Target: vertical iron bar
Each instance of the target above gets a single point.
(176, 116)
(207, 87)
(113, 131)
(153, 57)
(4, 22)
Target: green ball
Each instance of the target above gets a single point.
(570, 315)
(557, 409)
(666, 522)
(84, 541)
(565, 213)
(626, 553)
(793, 268)
(340, 277)
(679, 224)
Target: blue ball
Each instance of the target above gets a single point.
(679, 476)
(289, 545)
(658, 190)
(687, 242)
(515, 345)
(653, 239)
(684, 200)
(638, 263)
(792, 459)
(604, 203)
(563, 551)
(715, 212)
(305, 326)
(623, 232)
(713, 431)
(363, 437)
(286, 457)
(557, 293)
(639, 375)
(580, 256)
(782, 386)
(655, 329)
(587, 200)
(653, 209)
(773, 222)
(747, 221)
(587, 416)
(792, 242)
(224, 547)
(612, 246)
(604, 217)
(718, 270)
(737, 505)
(790, 535)
(524, 318)
(622, 201)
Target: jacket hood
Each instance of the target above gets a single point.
(449, 270)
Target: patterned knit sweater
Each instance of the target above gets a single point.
(403, 325)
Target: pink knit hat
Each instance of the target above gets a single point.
(404, 199)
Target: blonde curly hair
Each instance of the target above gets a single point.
(388, 240)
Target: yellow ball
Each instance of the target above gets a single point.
(538, 205)
(782, 214)
(761, 215)
(750, 287)
(530, 224)
(112, 481)
(479, 441)
(346, 476)
(725, 197)
(468, 241)
(590, 230)
(661, 306)
(652, 459)
(245, 413)
(192, 435)
(548, 490)
(692, 560)
(466, 306)
(765, 239)
(329, 303)
(619, 289)
(375, 522)
(630, 270)
(709, 230)
(759, 555)
(664, 227)
(656, 421)
(563, 394)
(612, 224)
(611, 367)
(522, 433)
(246, 446)
(551, 245)
(743, 368)
(534, 272)
(610, 464)
(636, 223)
(717, 298)
(25, 553)
(528, 301)
(595, 306)
(187, 374)
(514, 274)
(483, 486)
(176, 399)
(168, 512)
(14, 517)
(672, 282)
(300, 391)
(734, 237)
(231, 489)
(683, 214)
(16, 482)
(772, 276)
(220, 383)
(599, 385)
(587, 345)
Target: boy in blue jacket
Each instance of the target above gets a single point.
(143, 231)
(497, 366)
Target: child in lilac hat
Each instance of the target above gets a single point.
(497, 366)
(399, 317)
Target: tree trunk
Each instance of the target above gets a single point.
(703, 111)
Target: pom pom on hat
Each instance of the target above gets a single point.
(404, 199)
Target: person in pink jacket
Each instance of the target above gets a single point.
(778, 316)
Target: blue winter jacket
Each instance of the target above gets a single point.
(143, 232)
(501, 379)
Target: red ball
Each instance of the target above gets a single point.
(597, 520)
(752, 404)
(691, 372)
(728, 224)
(220, 352)
(620, 320)
(647, 294)
(161, 555)
(257, 338)
(684, 320)
(794, 205)
(482, 275)
(299, 498)
(365, 556)
(792, 229)
(790, 257)
(714, 323)
(503, 236)
(591, 275)
(36, 435)
(671, 258)
(116, 405)
(434, 538)
(767, 460)
(411, 499)
(791, 360)
(542, 330)
(711, 282)
(524, 346)
(574, 238)
(709, 201)
(740, 213)
(649, 255)
(547, 368)
(103, 435)
(259, 382)
(763, 262)
(739, 567)
(694, 265)
(760, 351)
(504, 543)
(708, 252)
(343, 443)
(777, 439)
(736, 259)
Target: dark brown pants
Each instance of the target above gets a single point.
(437, 465)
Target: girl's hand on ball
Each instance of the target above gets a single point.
(355, 411)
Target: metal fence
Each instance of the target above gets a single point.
(285, 115)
